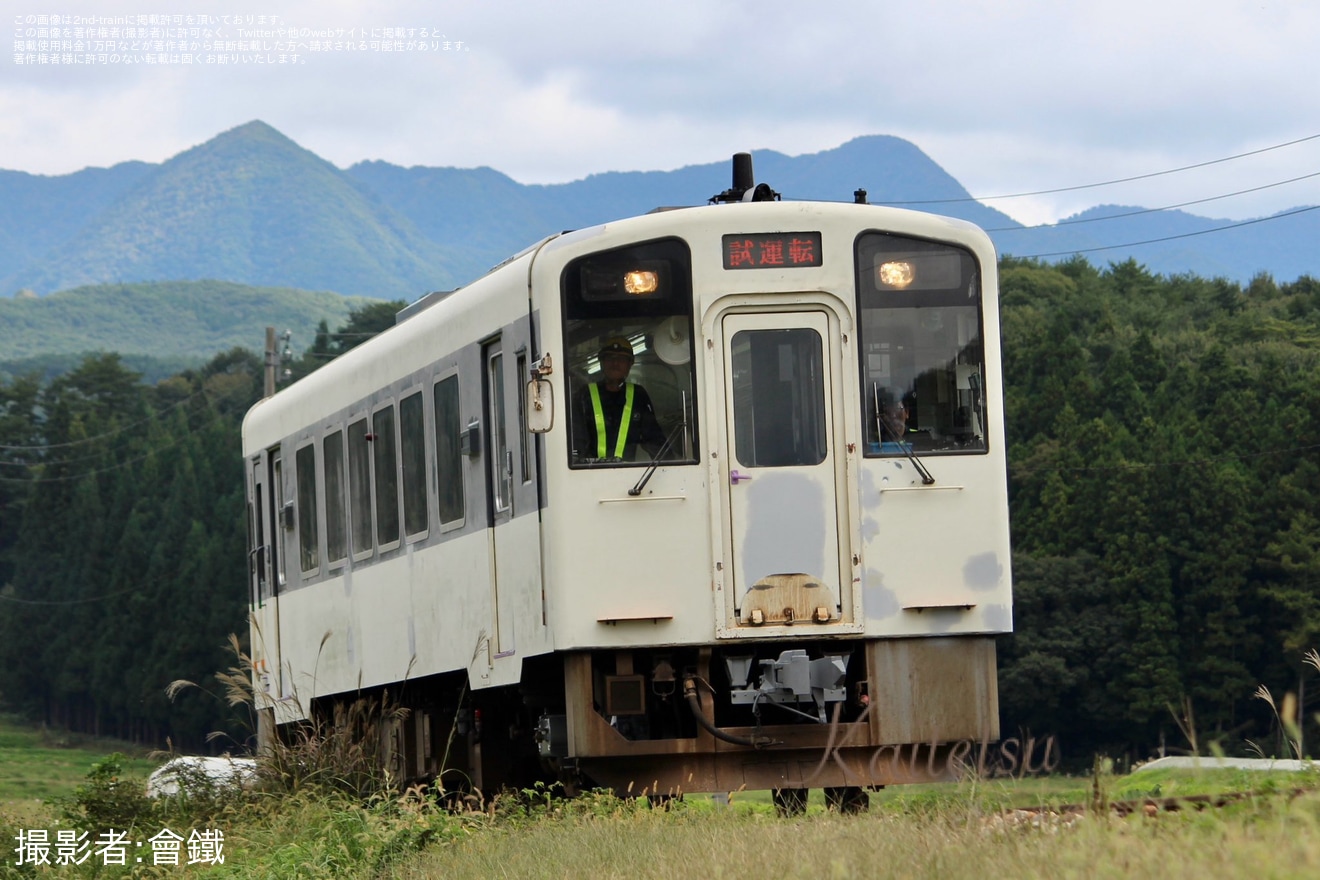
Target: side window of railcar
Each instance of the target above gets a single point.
(359, 487)
(922, 359)
(254, 555)
(628, 347)
(448, 452)
(309, 552)
(502, 478)
(278, 547)
(384, 458)
(412, 436)
(524, 438)
(336, 531)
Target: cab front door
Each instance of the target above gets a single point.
(783, 483)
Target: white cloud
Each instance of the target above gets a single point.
(1010, 96)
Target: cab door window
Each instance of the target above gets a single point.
(778, 397)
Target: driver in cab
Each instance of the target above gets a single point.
(612, 417)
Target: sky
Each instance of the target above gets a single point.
(1008, 96)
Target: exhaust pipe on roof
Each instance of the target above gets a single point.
(745, 188)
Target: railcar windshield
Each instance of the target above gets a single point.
(628, 345)
(922, 358)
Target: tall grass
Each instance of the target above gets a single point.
(342, 749)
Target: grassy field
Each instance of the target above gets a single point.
(1273, 837)
(967, 830)
(39, 767)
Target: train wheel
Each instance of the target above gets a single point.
(847, 799)
(790, 801)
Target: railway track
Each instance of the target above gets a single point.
(1068, 814)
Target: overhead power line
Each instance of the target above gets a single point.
(82, 601)
(46, 465)
(1061, 189)
(1110, 247)
(1137, 213)
(118, 430)
(1025, 470)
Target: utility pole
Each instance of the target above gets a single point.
(272, 359)
(276, 358)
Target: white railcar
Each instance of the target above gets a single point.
(789, 574)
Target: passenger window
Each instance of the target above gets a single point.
(628, 344)
(412, 434)
(385, 462)
(359, 487)
(308, 550)
(448, 452)
(336, 537)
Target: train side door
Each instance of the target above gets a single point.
(267, 567)
(499, 397)
(783, 483)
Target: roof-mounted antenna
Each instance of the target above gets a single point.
(744, 188)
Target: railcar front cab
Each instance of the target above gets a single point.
(920, 396)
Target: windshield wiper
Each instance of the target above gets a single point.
(655, 459)
(895, 430)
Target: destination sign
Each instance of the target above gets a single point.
(772, 250)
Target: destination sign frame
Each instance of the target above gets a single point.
(772, 250)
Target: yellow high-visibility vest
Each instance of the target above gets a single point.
(602, 442)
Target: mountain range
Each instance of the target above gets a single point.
(250, 206)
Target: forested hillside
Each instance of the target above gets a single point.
(1163, 440)
(123, 547)
(180, 319)
(248, 206)
(1165, 494)
(122, 544)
